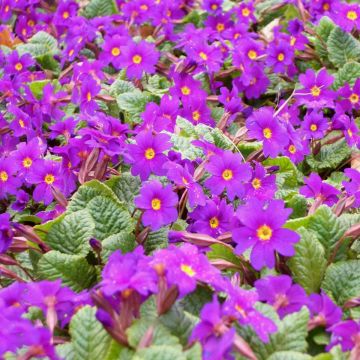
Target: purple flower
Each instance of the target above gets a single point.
(9, 183)
(215, 337)
(352, 186)
(22, 198)
(214, 218)
(17, 64)
(181, 176)
(113, 48)
(125, 273)
(262, 230)
(240, 305)
(146, 156)
(196, 110)
(184, 266)
(351, 96)
(140, 57)
(279, 57)
(159, 204)
(323, 310)
(314, 125)
(346, 334)
(315, 92)
(85, 96)
(279, 292)
(347, 16)
(228, 172)
(264, 127)
(5, 232)
(206, 56)
(315, 188)
(261, 185)
(45, 174)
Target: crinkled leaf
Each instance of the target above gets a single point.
(71, 235)
(160, 352)
(342, 280)
(156, 240)
(123, 241)
(39, 45)
(348, 74)
(120, 86)
(110, 217)
(323, 31)
(289, 355)
(308, 265)
(89, 338)
(73, 270)
(97, 8)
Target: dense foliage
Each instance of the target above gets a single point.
(179, 179)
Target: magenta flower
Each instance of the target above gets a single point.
(5, 232)
(45, 174)
(17, 64)
(315, 92)
(182, 177)
(139, 58)
(261, 229)
(9, 183)
(184, 266)
(196, 110)
(146, 156)
(215, 337)
(314, 125)
(215, 218)
(351, 96)
(347, 16)
(159, 204)
(86, 95)
(25, 155)
(279, 57)
(323, 310)
(125, 273)
(264, 127)
(315, 188)
(279, 292)
(228, 173)
(346, 334)
(113, 48)
(352, 186)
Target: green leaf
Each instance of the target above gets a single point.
(348, 74)
(126, 187)
(133, 102)
(342, 280)
(323, 31)
(72, 234)
(160, 352)
(329, 157)
(98, 8)
(120, 86)
(299, 205)
(157, 85)
(73, 270)
(39, 45)
(219, 251)
(89, 338)
(194, 353)
(327, 228)
(123, 241)
(37, 87)
(110, 217)
(289, 355)
(156, 240)
(87, 192)
(342, 47)
(291, 335)
(308, 265)
(65, 351)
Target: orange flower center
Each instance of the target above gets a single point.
(220, 27)
(137, 59)
(292, 149)
(214, 222)
(315, 91)
(227, 174)
(18, 66)
(115, 51)
(313, 127)
(245, 12)
(49, 179)
(354, 98)
(256, 183)
(264, 233)
(252, 54)
(66, 14)
(27, 162)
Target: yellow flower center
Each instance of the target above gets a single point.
(21, 123)
(71, 52)
(49, 179)
(18, 66)
(326, 6)
(354, 98)
(149, 153)
(220, 27)
(315, 91)
(115, 51)
(292, 149)
(245, 12)
(214, 7)
(256, 183)
(203, 55)
(214, 222)
(144, 7)
(7, 8)
(156, 204)
(4, 176)
(252, 54)
(313, 127)
(350, 133)
(185, 182)
(267, 133)
(236, 36)
(66, 14)
(88, 96)
(281, 57)
(137, 59)
(227, 174)
(264, 233)
(352, 15)
(188, 270)
(27, 162)
(292, 40)
(31, 23)
(126, 293)
(240, 310)
(196, 115)
(185, 90)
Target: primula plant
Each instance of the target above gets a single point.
(179, 179)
